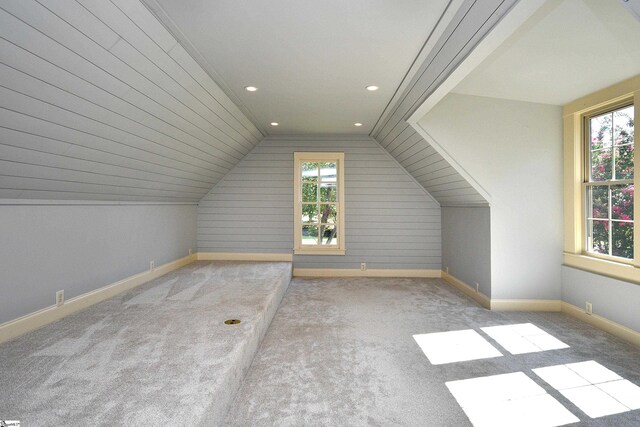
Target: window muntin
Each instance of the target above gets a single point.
(319, 203)
(609, 185)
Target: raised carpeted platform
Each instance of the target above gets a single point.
(159, 354)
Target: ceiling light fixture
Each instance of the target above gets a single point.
(274, 123)
(372, 88)
(357, 124)
(250, 88)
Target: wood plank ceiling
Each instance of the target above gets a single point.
(440, 178)
(98, 101)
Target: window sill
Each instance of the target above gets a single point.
(319, 252)
(605, 267)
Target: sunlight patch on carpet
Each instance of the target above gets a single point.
(596, 390)
(523, 338)
(455, 346)
(508, 400)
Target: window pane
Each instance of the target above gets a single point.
(601, 131)
(624, 162)
(622, 202)
(599, 235)
(309, 212)
(622, 239)
(309, 234)
(328, 192)
(328, 213)
(601, 165)
(309, 171)
(623, 126)
(328, 171)
(309, 192)
(599, 196)
(329, 234)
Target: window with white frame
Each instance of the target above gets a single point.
(319, 203)
(609, 182)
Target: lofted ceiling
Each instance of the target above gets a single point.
(101, 101)
(567, 49)
(310, 60)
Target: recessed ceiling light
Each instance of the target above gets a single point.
(250, 88)
(357, 124)
(372, 88)
(274, 123)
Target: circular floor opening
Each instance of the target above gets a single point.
(232, 322)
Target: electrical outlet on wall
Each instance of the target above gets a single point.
(190, 251)
(588, 308)
(477, 287)
(152, 265)
(60, 298)
(446, 270)
(363, 266)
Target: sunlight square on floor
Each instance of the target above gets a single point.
(593, 401)
(593, 388)
(508, 400)
(523, 338)
(455, 346)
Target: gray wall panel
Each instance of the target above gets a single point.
(612, 299)
(103, 83)
(466, 245)
(391, 222)
(79, 248)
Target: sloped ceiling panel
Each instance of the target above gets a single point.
(470, 24)
(431, 170)
(99, 102)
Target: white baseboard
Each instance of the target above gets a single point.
(347, 272)
(525, 305)
(32, 321)
(603, 323)
(466, 289)
(599, 322)
(240, 256)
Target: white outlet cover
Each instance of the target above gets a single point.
(60, 298)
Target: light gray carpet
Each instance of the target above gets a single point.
(340, 352)
(156, 355)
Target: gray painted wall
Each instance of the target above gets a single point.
(99, 102)
(513, 150)
(391, 222)
(466, 245)
(80, 248)
(613, 299)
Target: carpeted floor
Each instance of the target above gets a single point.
(341, 352)
(159, 354)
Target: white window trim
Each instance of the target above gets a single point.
(574, 113)
(298, 248)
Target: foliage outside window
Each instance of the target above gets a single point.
(319, 203)
(609, 183)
